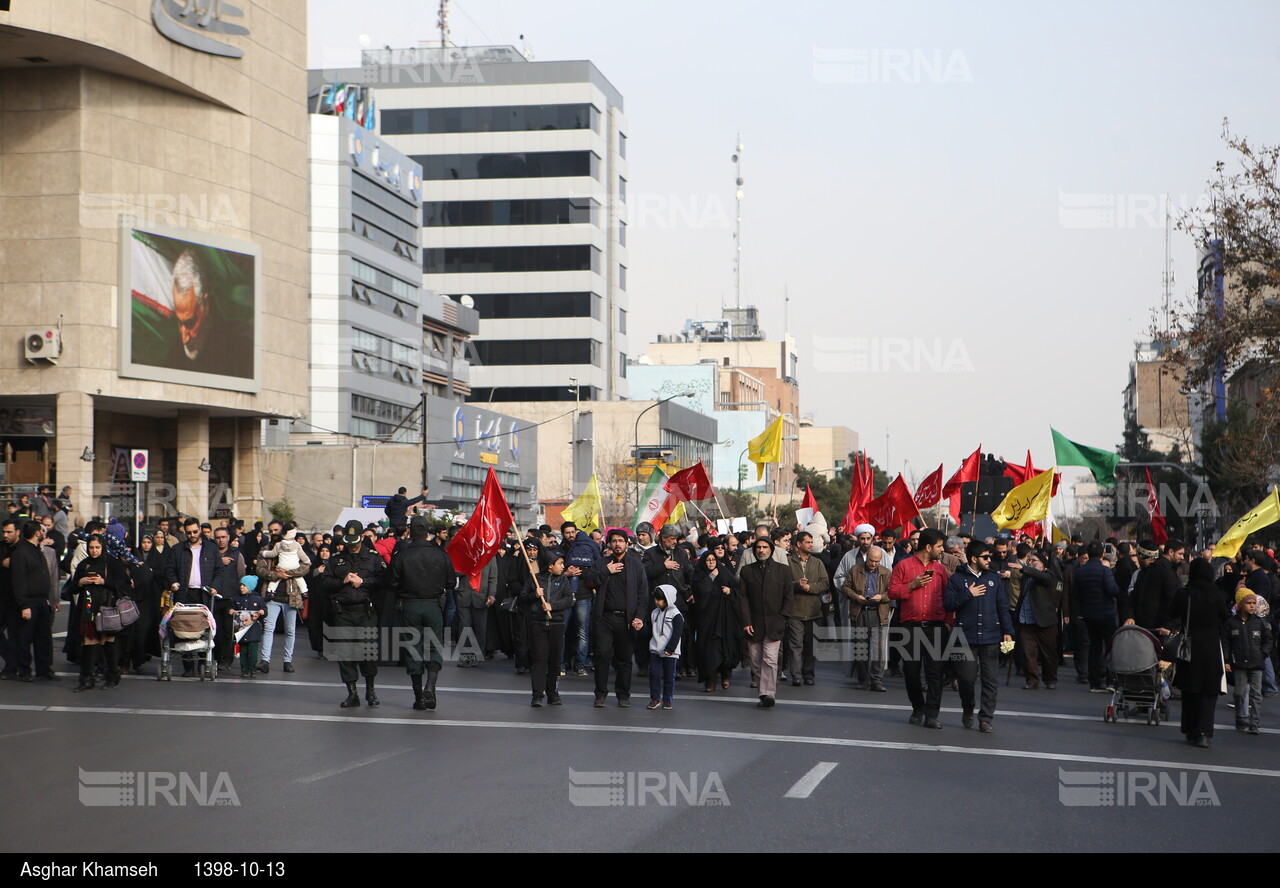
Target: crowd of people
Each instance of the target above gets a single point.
(660, 603)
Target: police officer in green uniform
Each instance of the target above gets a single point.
(354, 578)
(420, 575)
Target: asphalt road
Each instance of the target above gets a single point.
(829, 768)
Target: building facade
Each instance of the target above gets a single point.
(153, 229)
(524, 180)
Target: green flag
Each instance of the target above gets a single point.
(1102, 463)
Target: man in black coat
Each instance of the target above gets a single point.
(420, 575)
(767, 600)
(397, 508)
(354, 579)
(9, 538)
(1151, 604)
(617, 614)
(193, 566)
(32, 615)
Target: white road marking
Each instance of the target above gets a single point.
(805, 786)
(694, 698)
(312, 778)
(843, 742)
(21, 733)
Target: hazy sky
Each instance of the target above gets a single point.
(963, 200)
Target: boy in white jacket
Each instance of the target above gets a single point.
(664, 646)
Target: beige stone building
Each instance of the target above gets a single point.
(132, 134)
(825, 447)
(1156, 399)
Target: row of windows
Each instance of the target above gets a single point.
(506, 394)
(385, 239)
(508, 352)
(368, 428)
(491, 306)
(376, 366)
(492, 119)
(524, 165)
(478, 473)
(475, 260)
(379, 409)
(369, 188)
(382, 280)
(377, 215)
(383, 303)
(380, 345)
(551, 211)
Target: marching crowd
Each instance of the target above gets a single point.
(660, 603)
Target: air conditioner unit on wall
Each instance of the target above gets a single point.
(42, 345)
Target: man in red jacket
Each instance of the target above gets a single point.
(918, 582)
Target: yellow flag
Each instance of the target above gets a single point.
(677, 514)
(766, 447)
(1059, 536)
(1266, 512)
(1029, 501)
(585, 510)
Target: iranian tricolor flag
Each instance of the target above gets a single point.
(664, 496)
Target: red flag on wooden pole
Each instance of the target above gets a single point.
(481, 537)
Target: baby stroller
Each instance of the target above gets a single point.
(1133, 654)
(188, 630)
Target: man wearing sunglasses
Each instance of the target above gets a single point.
(976, 595)
(192, 567)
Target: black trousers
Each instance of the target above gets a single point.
(520, 636)
(546, 641)
(347, 618)
(985, 666)
(615, 643)
(1097, 634)
(1197, 713)
(35, 633)
(7, 637)
(924, 640)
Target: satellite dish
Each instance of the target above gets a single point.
(467, 301)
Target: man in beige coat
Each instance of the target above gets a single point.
(867, 588)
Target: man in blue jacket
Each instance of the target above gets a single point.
(580, 555)
(977, 597)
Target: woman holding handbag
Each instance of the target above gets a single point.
(1203, 608)
(98, 581)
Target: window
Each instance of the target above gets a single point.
(622, 320)
(492, 306)
(531, 393)
(531, 165)
(552, 211)
(622, 189)
(622, 233)
(490, 119)
(510, 352)
(622, 145)
(622, 366)
(480, 260)
(622, 277)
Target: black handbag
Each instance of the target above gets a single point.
(1177, 646)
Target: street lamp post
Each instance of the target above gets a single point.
(635, 453)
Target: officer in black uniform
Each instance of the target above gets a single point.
(354, 579)
(420, 575)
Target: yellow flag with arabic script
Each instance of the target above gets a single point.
(1265, 513)
(1029, 501)
(1059, 536)
(766, 447)
(585, 510)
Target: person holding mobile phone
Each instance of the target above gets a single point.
(918, 582)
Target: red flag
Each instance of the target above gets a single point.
(930, 490)
(809, 501)
(892, 508)
(481, 537)
(967, 472)
(1019, 474)
(689, 484)
(1158, 532)
(861, 493)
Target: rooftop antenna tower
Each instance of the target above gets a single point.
(737, 225)
(1167, 277)
(442, 22)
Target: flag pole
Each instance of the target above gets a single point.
(546, 605)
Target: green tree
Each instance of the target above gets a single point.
(282, 510)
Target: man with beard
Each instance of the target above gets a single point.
(767, 602)
(354, 579)
(617, 613)
(420, 574)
